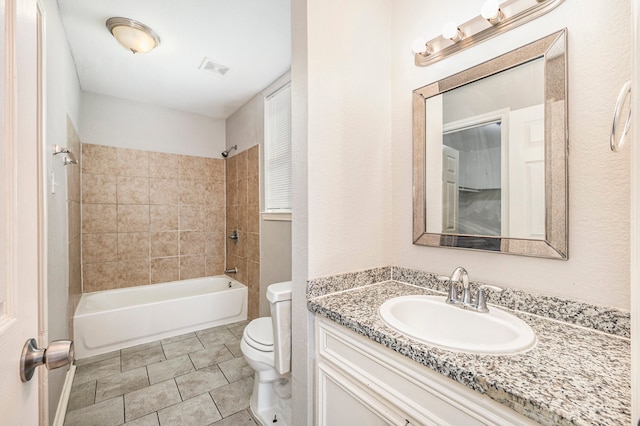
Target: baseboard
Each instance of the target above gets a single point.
(63, 402)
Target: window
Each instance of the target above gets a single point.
(277, 152)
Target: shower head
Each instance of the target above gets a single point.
(225, 154)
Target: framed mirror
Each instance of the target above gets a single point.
(490, 155)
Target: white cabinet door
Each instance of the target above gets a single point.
(20, 253)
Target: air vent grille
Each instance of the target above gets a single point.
(214, 68)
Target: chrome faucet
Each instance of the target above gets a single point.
(465, 301)
(233, 270)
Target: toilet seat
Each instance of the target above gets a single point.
(259, 334)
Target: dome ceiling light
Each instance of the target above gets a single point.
(133, 35)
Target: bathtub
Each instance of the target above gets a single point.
(114, 319)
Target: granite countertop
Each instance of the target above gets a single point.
(573, 376)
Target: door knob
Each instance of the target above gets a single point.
(58, 354)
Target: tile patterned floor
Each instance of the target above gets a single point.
(193, 379)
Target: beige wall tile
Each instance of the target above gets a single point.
(133, 218)
(254, 274)
(99, 218)
(253, 190)
(164, 191)
(242, 218)
(99, 247)
(242, 274)
(215, 242)
(165, 269)
(253, 305)
(163, 218)
(193, 168)
(191, 218)
(214, 193)
(133, 245)
(75, 267)
(75, 224)
(253, 160)
(192, 192)
(98, 189)
(242, 165)
(133, 190)
(214, 264)
(164, 244)
(99, 276)
(253, 218)
(133, 162)
(241, 247)
(215, 217)
(192, 267)
(232, 218)
(232, 248)
(231, 168)
(215, 170)
(242, 192)
(164, 166)
(253, 247)
(99, 159)
(73, 180)
(191, 242)
(232, 192)
(133, 272)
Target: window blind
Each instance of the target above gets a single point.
(277, 170)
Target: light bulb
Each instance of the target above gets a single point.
(451, 31)
(491, 11)
(420, 47)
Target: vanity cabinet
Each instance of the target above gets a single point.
(361, 382)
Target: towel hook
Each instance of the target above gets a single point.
(624, 92)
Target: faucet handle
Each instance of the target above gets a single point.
(481, 301)
(452, 296)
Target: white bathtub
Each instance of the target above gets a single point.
(114, 319)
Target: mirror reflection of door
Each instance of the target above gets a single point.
(475, 195)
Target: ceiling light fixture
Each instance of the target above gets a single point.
(133, 35)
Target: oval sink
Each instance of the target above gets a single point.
(432, 321)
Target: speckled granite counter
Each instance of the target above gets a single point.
(573, 376)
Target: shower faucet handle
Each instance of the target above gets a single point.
(234, 236)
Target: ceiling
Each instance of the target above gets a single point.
(251, 37)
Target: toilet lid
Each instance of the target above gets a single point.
(260, 331)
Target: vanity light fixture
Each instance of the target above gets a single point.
(451, 31)
(496, 17)
(133, 35)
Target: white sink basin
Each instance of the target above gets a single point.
(432, 321)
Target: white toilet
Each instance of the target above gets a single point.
(266, 345)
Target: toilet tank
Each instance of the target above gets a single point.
(279, 297)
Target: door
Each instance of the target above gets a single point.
(450, 189)
(20, 209)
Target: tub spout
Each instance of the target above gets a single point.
(233, 270)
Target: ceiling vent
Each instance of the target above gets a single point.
(213, 68)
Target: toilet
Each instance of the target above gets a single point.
(266, 345)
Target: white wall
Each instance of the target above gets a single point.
(62, 98)
(245, 128)
(599, 62)
(106, 120)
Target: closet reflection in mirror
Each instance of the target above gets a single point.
(490, 155)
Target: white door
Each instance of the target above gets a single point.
(635, 217)
(450, 189)
(20, 208)
(526, 173)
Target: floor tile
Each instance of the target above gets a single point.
(122, 383)
(92, 359)
(243, 418)
(200, 381)
(177, 338)
(106, 413)
(233, 397)
(139, 348)
(97, 370)
(236, 369)
(148, 420)
(131, 361)
(161, 371)
(198, 411)
(210, 356)
(234, 347)
(82, 395)
(237, 330)
(237, 323)
(218, 337)
(182, 347)
(210, 330)
(150, 399)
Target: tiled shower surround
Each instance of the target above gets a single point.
(243, 214)
(73, 207)
(150, 217)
